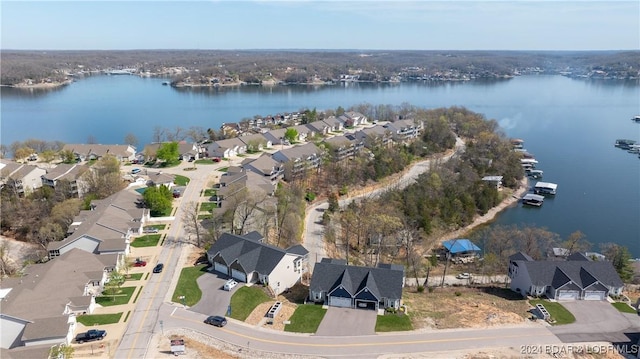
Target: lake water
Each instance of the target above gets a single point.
(570, 125)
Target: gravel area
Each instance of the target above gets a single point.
(257, 317)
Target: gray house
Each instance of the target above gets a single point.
(576, 278)
(248, 259)
(337, 284)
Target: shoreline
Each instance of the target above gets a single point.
(490, 215)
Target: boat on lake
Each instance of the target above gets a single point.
(547, 188)
(531, 199)
(535, 173)
(635, 118)
(624, 143)
(528, 161)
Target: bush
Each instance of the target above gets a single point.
(430, 289)
(420, 289)
(310, 196)
(457, 294)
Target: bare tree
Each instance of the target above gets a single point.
(131, 139)
(192, 224)
(91, 139)
(158, 134)
(197, 134)
(6, 267)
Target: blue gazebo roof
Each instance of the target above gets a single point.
(455, 246)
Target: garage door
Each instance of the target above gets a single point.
(219, 267)
(365, 304)
(567, 295)
(593, 295)
(340, 302)
(239, 275)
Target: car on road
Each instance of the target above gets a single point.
(139, 263)
(216, 320)
(158, 268)
(91, 335)
(150, 230)
(135, 171)
(230, 284)
(463, 276)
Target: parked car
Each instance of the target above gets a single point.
(135, 170)
(139, 263)
(230, 284)
(158, 268)
(150, 230)
(216, 320)
(463, 276)
(91, 335)
(176, 193)
(216, 159)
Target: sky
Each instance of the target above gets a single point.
(328, 24)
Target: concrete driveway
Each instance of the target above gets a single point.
(348, 322)
(215, 300)
(595, 321)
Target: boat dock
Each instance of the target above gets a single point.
(531, 199)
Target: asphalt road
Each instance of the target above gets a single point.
(596, 321)
(314, 230)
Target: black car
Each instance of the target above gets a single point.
(216, 320)
(158, 268)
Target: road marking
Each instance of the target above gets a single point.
(378, 343)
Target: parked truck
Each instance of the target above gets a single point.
(91, 335)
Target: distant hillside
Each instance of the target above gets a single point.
(298, 66)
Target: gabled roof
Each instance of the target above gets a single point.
(45, 328)
(249, 253)
(161, 177)
(382, 281)
(264, 164)
(100, 150)
(520, 256)
(318, 126)
(460, 246)
(254, 138)
(63, 171)
(297, 153)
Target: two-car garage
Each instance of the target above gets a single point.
(594, 295)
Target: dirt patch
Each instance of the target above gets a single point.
(258, 316)
(462, 307)
(18, 253)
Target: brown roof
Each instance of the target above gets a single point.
(44, 328)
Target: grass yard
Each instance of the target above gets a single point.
(223, 169)
(181, 180)
(209, 192)
(206, 162)
(624, 307)
(393, 323)
(558, 313)
(205, 216)
(188, 286)
(120, 298)
(149, 240)
(99, 319)
(157, 226)
(245, 300)
(134, 276)
(207, 206)
(306, 319)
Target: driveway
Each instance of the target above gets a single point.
(348, 322)
(595, 321)
(215, 300)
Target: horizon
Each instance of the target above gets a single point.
(320, 50)
(578, 25)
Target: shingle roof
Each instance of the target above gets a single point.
(44, 328)
(382, 282)
(65, 171)
(250, 254)
(580, 272)
(100, 150)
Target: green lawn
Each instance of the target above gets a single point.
(98, 319)
(158, 226)
(206, 162)
(558, 313)
(245, 300)
(134, 276)
(205, 216)
(207, 206)
(393, 323)
(149, 240)
(181, 180)
(118, 299)
(188, 286)
(223, 169)
(624, 307)
(306, 319)
(209, 192)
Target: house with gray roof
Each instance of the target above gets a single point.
(275, 136)
(319, 128)
(375, 136)
(342, 147)
(335, 124)
(265, 166)
(106, 228)
(577, 277)
(248, 259)
(228, 148)
(160, 178)
(40, 307)
(20, 178)
(357, 118)
(405, 130)
(337, 284)
(91, 151)
(298, 159)
(69, 175)
(256, 142)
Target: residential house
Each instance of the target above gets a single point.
(106, 228)
(275, 136)
(231, 129)
(298, 159)
(87, 152)
(248, 259)
(461, 250)
(236, 179)
(20, 178)
(334, 123)
(66, 176)
(342, 147)
(228, 148)
(39, 308)
(357, 118)
(265, 166)
(304, 132)
(337, 284)
(186, 150)
(405, 130)
(318, 128)
(494, 181)
(577, 277)
(256, 142)
(160, 178)
(375, 136)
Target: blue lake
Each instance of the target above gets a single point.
(570, 126)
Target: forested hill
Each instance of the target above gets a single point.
(306, 66)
